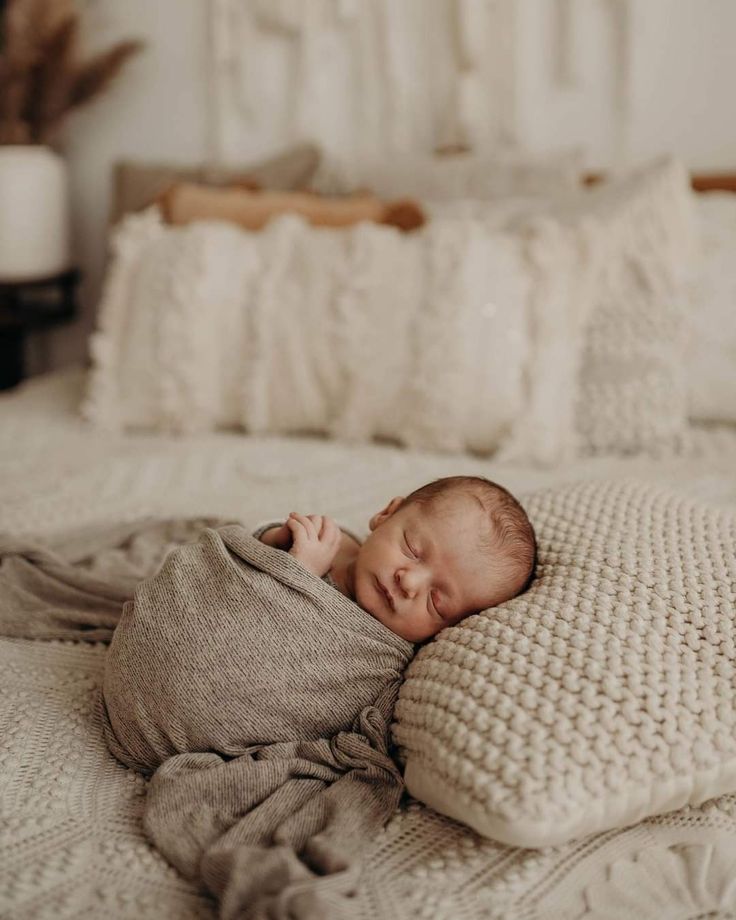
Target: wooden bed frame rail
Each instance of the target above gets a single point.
(712, 182)
(701, 182)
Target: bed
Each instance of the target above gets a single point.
(71, 838)
(72, 844)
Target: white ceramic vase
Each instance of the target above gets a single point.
(34, 213)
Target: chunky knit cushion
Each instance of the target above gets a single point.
(603, 695)
(633, 386)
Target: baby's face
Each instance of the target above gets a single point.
(421, 568)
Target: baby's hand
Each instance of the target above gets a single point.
(278, 537)
(316, 540)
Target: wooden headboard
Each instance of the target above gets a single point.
(712, 182)
(701, 182)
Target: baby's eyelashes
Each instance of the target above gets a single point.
(409, 551)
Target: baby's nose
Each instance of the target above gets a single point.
(409, 582)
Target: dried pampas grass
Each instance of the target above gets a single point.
(41, 76)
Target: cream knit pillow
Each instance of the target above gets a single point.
(605, 694)
(633, 386)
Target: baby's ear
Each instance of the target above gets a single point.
(380, 516)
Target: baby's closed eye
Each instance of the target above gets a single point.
(410, 551)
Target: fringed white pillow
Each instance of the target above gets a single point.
(604, 694)
(453, 338)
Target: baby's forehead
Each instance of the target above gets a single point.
(446, 511)
(458, 528)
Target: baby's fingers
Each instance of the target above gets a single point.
(317, 520)
(330, 531)
(298, 528)
(305, 522)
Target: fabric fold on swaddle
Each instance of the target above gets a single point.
(257, 695)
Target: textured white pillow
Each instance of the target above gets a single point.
(711, 355)
(605, 694)
(456, 337)
(473, 176)
(633, 385)
(632, 392)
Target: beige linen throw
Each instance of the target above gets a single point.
(257, 696)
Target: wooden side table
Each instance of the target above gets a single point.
(26, 306)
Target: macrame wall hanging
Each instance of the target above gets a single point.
(366, 77)
(363, 76)
(567, 74)
(623, 49)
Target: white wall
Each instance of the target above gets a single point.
(677, 93)
(685, 74)
(156, 109)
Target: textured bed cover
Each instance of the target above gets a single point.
(71, 843)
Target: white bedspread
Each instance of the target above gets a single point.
(71, 843)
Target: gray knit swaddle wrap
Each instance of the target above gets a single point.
(258, 695)
(233, 644)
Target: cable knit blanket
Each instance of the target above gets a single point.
(258, 694)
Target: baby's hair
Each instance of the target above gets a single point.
(511, 533)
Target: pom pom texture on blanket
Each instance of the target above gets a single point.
(604, 694)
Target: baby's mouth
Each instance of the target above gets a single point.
(389, 599)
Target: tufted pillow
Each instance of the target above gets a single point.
(454, 337)
(604, 694)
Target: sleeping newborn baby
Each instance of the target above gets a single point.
(233, 643)
(254, 686)
(451, 548)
